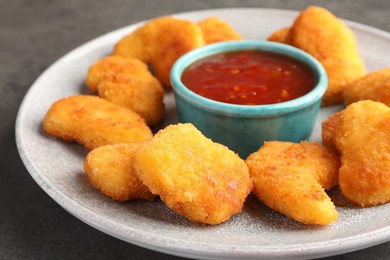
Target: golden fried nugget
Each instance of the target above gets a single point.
(281, 36)
(374, 86)
(110, 169)
(328, 127)
(197, 178)
(290, 178)
(93, 122)
(114, 67)
(128, 82)
(328, 39)
(160, 42)
(362, 136)
(216, 29)
(324, 36)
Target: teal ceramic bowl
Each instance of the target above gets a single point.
(245, 128)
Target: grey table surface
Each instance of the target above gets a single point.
(33, 34)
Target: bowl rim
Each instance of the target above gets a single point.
(248, 110)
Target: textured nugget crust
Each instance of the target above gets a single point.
(110, 169)
(160, 42)
(128, 82)
(216, 29)
(114, 67)
(328, 128)
(374, 86)
(362, 136)
(324, 36)
(290, 178)
(93, 122)
(197, 178)
(281, 36)
(328, 39)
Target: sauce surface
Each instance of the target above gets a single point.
(249, 77)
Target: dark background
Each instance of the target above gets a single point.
(33, 34)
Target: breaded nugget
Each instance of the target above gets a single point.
(374, 86)
(281, 36)
(362, 136)
(328, 39)
(114, 67)
(216, 29)
(128, 82)
(290, 178)
(93, 122)
(324, 36)
(328, 127)
(160, 42)
(197, 178)
(110, 169)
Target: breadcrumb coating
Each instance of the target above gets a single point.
(197, 178)
(290, 178)
(93, 121)
(110, 169)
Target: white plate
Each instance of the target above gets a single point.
(256, 233)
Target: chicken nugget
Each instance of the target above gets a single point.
(328, 127)
(128, 82)
(362, 136)
(110, 169)
(114, 67)
(374, 86)
(290, 178)
(93, 121)
(324, 36)
(320, 33)
(216, 29)
(197, 178)
(281, 36)
(160, 42)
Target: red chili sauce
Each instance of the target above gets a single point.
(249, 78)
